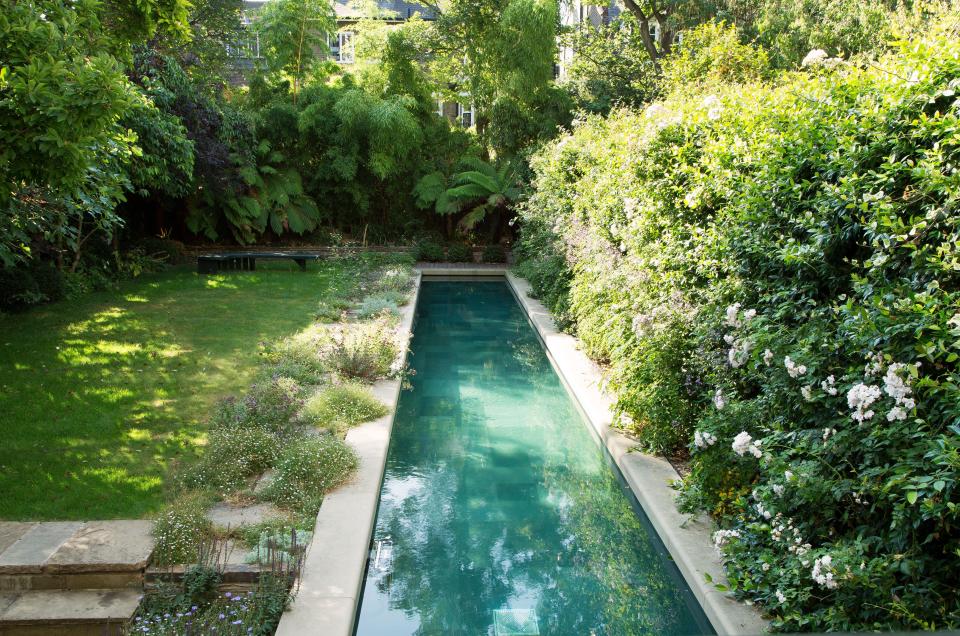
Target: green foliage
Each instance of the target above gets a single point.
(712, 53)
(365, 351)
(771, 275)
(494, 254)
(233, 455)
(479, 187)
(292, 35)
(338, 407)
(375, 305)
(308, 469)
(179, 530)
(163, 161)
(610, 66)
(459, 253)
(429, 251)
(789, 29)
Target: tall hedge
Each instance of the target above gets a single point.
(772, 274)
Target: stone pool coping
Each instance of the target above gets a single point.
(332, 577)
(687, 538)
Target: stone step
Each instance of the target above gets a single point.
(74, 612)
(74, 555)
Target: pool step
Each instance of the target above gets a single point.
(73, 612)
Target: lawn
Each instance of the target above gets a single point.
(101, 396)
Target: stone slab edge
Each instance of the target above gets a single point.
(465, 271)
(332, 577)
(688, 539)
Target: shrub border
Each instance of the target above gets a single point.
(331, 580)
(687, 538)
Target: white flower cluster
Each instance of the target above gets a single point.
(713, 106)
(763, 512)
(899, 389)
(807, 393)
(859, 398)
(704, 439)
(815, 57)
(718, 400)
(780, 597)
(778, 489)
(767, 357)
(784, 531)
(733, 318)
(793, 369)
(827, 432)
(722, 537)
(828, 385)
(822, 573)
(743, 443)
(739, 353)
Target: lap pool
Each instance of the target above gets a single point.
(499, 511)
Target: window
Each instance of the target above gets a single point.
(465, 115)
(655, 32)
(440, 107)
(342, 48)
(247, 47)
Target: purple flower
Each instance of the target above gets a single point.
(223, 616)
(228, 594)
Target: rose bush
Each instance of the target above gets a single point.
(771, 272)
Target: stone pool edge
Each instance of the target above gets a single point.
(331, 580)
(687, 538)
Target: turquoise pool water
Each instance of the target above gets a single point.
(499, 513)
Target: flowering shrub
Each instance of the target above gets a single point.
(772, 273)
(308, 469)
(179, 530)
(255, 613)
(364, 351)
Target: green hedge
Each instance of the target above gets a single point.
(772, 273)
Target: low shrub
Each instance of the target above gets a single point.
(377, 305)
(429, 251)
(331, 309)
(166, 250)
(459, 253)
(179, 530)
(286, 544)
(18, 289)
(365, 351)
(50, 281)
(494, 254)
(298, 356)
(394, 280)
(256, 613)
(273, 404)
(341, 406)
(307, 469)
(233, 455)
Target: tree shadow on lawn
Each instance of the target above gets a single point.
(102, 396)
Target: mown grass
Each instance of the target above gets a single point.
(102, 396)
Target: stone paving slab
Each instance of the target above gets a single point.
(115, 546)
(69, 606)
(11, 531)
(226, 515)
(28, 554)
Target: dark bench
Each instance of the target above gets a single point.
(213, 263)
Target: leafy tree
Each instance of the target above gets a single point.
(610, 66)
(214, 26)
(497, 51)
(712, 53)
(61, 95)
(292, 34)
